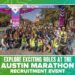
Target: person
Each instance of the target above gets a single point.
(16, 39)
(40, 44)
(11, 41)
(63, 46)
(46, 43)
(10, 30)
(55, 45)
(23, 43)
(70, 36)
(57, 33)
(32, 43)
(4, 43)
(64, 34)
(70, 40)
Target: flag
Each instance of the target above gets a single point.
(61, 16)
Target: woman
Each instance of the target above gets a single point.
(4, 43)
(46, 42)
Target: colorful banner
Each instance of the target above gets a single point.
(42, 65)
(5, 10)
(61, 17)
(15, 19)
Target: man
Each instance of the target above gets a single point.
(63, 46)
(10, 30)
(55, 45)
(32, 43)
(63, 33)
(70, 40)
(23, 43)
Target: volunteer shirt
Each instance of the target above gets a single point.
(23, 41)
(55, 44)
(40, 43)
(32, 42)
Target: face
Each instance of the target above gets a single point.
(63, 28)
(69, 30)
(5, 36)
(23, 35)
(59, 29)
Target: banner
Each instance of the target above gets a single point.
(42, 65)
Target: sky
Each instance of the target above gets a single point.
(31, 15)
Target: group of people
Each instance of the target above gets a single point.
(54, 39)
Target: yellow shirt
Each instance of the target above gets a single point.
(32, 42)
(55, 44)
(65, 35)
(40, 43)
